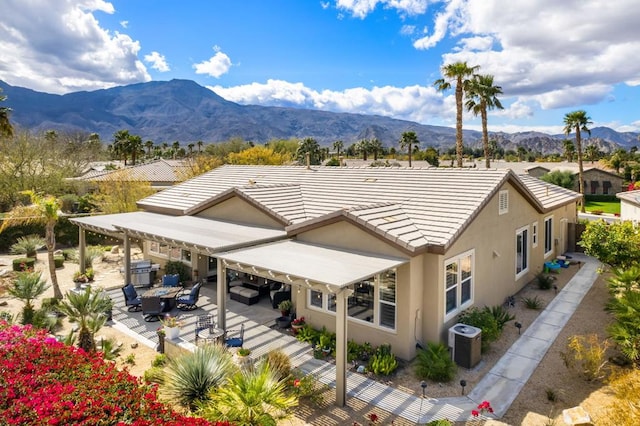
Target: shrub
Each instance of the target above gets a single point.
(177, 267)
(501, 315)
(545, 281)
(383, 361)
(587, 355)
(484, 320)
(279, 363)
(59, 261)
(159, 361)
(624, 409)
(42, 378)
(154, 375)
(23, 264)
(532, 303)
(435, 363)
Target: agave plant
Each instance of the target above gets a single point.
(252, 396)
(191, 377)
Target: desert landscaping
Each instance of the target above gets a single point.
(532, 406)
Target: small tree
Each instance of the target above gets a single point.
(565, 179)
(615, 244)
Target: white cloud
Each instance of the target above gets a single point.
(157, 61)
(67, 50)
(215, 66)
(361, 8)
(124, 24)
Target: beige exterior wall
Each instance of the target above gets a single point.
(629, 211)
(594, 175)
(238, 210)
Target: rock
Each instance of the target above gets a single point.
(115, 250)
(134, 345)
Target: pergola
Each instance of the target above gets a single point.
(261, 251)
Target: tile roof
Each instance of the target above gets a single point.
(632, 197)
(168, 171)
(412, 207)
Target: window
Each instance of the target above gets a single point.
(458, 283)
(548, 236)
(503, 202)
(522, 251)
(373, 300)
(594, 187)
(534, 234)
(606, 186)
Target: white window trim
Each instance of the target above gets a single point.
(459, 306)
(503, 202)
(525, 270)
(534, 234)
(548, 253)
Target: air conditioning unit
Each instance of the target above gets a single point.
(465, 345)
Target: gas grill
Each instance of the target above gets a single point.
(143, 273)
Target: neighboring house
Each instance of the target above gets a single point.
(596, 181)
(160, 174)
(630, 205)
(395, 253)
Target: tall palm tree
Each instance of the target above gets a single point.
(409, 140)
(149, 145)
(5, 126)
(577, 121)
(43, 210)
(338, 146)
(482, 96)
(88, 309)
(569, 149)
(376, 148)
(458, 72)
(199, 143)
(308, 146)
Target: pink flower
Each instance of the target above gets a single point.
(475, 413)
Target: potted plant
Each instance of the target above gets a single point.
(297, 324)
(243, 359)
(285, 307)
(171, 326)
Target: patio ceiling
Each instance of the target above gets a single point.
(311, 265)
(191, 232)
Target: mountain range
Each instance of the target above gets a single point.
(182, 110)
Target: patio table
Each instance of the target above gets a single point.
(211, 335)
(168, 294)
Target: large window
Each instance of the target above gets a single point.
(458, 283)
(172, 253)
(548, 236)
(522, 251)
(373, 300)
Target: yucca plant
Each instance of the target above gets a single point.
(532, 303)
(251, 397)
(28, 245)
(191, 377)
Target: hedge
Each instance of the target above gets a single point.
(23, 263)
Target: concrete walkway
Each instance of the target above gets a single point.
(501, 385)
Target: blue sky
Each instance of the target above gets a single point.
(363, 56)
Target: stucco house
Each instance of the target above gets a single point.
(630, 205)
(597, 181)
(384, 255)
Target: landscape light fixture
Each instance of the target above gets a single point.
(423, 385)
(555, 288)
(463, 383)
(518, 326)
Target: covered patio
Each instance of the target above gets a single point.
(258, 250)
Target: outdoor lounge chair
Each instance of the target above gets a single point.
(172, 280)
(131, 298)
(152, 308)
(236, 341)
(186, 300)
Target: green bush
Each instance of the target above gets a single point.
(176, 267)
(154, 375)
(545, 281)
(532, 303)
(435, 363)
(59, 261)
(484, 320)
(383, 361)
(501, 314)
(159, 361)
(23, 263)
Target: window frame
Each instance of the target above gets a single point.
(522, 231)
(548, 236)
(460, 281)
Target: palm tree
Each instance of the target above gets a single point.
(338, 146)
(482, 96)
(149, 145)
(592, 153)
(5, 126)
(408, 140)
(199, 143)
(308, 146)
(27, 287)
(120, 146)
(253, 397)
(376, 148)
(43, 210)
(569, 149)
(88, 309)
(364, 147)
(190, 147)
(191, 377)
(458, 72)
(577, 121)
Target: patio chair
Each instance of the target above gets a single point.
(131, 298)
(172, 280)
(236, 341)
(152, 308)
(186, 300)
(203, 322)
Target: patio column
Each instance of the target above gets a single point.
(341, 346)
(221, 294)
(127, 259)
(82, 243)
